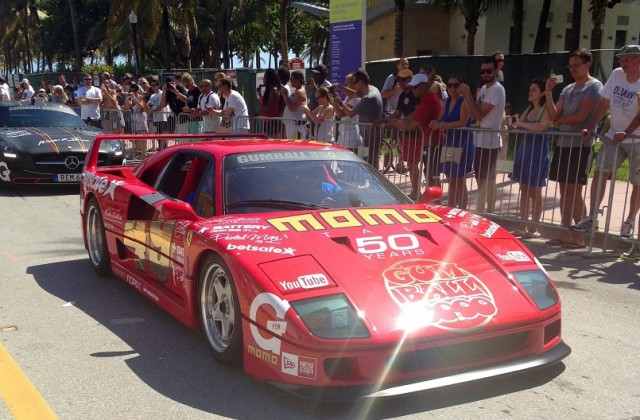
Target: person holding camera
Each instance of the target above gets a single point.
(170, 93)
(574, 111)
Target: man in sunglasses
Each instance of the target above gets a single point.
(488, 111)
(89, 97)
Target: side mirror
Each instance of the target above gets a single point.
(430, 194)
(177, 210)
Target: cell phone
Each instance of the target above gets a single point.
(558, 78)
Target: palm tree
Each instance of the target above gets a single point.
(76, 42)
(541, 36)
(398, 39)
(284, 44)
(472, 10)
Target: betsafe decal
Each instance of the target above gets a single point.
(443, 294)
(338, 219)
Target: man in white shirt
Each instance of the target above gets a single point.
(159, 113)
(488, 110)
(5, 92)
(235, 108)
(622, 141)
(26, 91)
(207, 102)
(89, 97)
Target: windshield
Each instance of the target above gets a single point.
(296, 180)
(39, 116)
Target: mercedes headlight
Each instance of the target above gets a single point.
(8, 152)
(331, 317)
(538, 287)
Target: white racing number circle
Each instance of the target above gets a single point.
(280, 307)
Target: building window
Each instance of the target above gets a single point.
(621, 39)
(623, 20)
(568, 37)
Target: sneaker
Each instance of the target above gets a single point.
(632, 254)
(585, 225)
(627, 229)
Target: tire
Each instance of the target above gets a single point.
(220, 310)
(96, 239)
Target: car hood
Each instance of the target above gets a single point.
(404, 269)
(41, 140)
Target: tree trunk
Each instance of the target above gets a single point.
(576, 22)
(166, 30)
(471, 26)
(515, 46)
(398, 39)
(541, 35)
(76, 43)
(284, 43)
(598, 11)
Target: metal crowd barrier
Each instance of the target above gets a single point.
(534, 178)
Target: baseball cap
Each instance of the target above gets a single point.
(418, 78)
(629, 50)
(405, 74)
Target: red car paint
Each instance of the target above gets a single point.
(382, 260)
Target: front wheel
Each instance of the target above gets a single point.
(96, 239)
(220, 311)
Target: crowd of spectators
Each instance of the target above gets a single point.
(431, 120)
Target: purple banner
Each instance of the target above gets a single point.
(346, 49)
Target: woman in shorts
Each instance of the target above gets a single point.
(531, 163)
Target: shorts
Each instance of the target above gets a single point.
(570, 165)
(613, 154)
(484, 162)
(411, 146)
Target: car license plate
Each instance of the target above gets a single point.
(68, 177)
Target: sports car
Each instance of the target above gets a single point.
(46, 144)
(310, 269)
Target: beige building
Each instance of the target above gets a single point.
(432, 30)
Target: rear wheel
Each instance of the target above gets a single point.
(96, 239)
(220, 311)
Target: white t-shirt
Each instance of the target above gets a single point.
(27, 93)
(5, 92)
(240, 116)
(288, 114)
(494, 95)
(623, 102)
(208, 101)
(89, 110)
(391, 103)
(159, 115)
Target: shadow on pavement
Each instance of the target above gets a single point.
(177, 363)
(38, 190)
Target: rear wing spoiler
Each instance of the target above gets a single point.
(91, 161)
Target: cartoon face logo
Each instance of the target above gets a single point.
(454, 298)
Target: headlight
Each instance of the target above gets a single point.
(8, 152)
(538, 287)
(330, 317)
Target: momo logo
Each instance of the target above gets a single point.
(454, 298)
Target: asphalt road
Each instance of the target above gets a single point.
(96, 350)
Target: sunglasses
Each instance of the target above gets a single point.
(403, 79)
(453, 85)
(88, 78)
(486, 71)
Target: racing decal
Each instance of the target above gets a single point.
(113, 214)
(247, 237)
(5, 173)
(441, 294)
(456, 212)
(337, 219)
(235, 228)
(379, 244)
(100, 184)
(62, 140)
(300, 366)
(189, 238)
(306, 282)
(16, 134)
(290, 155)
(279, 307)
(491, 230)
(263, 249)
(153, 198)
(515, 256)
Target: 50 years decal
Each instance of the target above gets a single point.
(338, 219)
